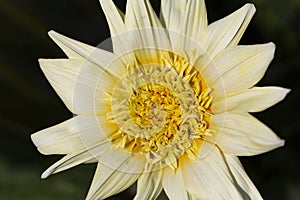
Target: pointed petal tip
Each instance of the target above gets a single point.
(250, 8)
(277, 143)
(57, 37)
(43, 64)
(45, 175)
(287, 90)
(41, 61)
(53, 34)
(272, 45)
(269, 45)
(37, 142)
(284, 91)
(281, 93)
(281, 143)
(34, 139)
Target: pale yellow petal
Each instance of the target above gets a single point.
(92, 89)
(115, 20)
(59, 139)
(172, 13)
(109, 181)
(62, 73)
(149, 184)
(238, 68)
(119, 38)
(228, 31)
(77, 158)
(193, 197)
(92, 139)
(113, 157)
(70, 136)
(144, 30)
(185, 17)
(114, 17)
(80, 84)
(72, 48)
(186, 21)
(173, 184)
(195, 19)
(252, 100)
(101, 58)
(243, 135)
(210, 178)
(83, 82)
(140, 14)
(242, 178)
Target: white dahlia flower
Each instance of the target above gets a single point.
(168, 107)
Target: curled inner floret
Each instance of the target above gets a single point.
(153, 101)
(161, 109)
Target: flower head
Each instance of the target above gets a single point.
(168, 108)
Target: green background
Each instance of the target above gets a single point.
(28, 102)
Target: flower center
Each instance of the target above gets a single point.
(161, 110)
(153, 101)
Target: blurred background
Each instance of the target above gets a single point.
(28, 102)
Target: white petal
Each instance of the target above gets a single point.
(149, 184)
(228, 31)
(70, 136)
(72, 48)
(144, 30)
(242, 178)
(186, 22)
(172, 13)
(243, 135)
(195, 19)
(59, 139)
(173, 184)
(252, 100)
(193, 197)
(80, 84)
(89, 134)
(77, 158)
(101, 58)
(115, 19)
(109, 181)
(210, 178)
(134, 164)
(239, 68)
(140, 14)
(62, 73)
(186, 17)
(92, 89)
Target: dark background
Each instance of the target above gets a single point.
(28, 103)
